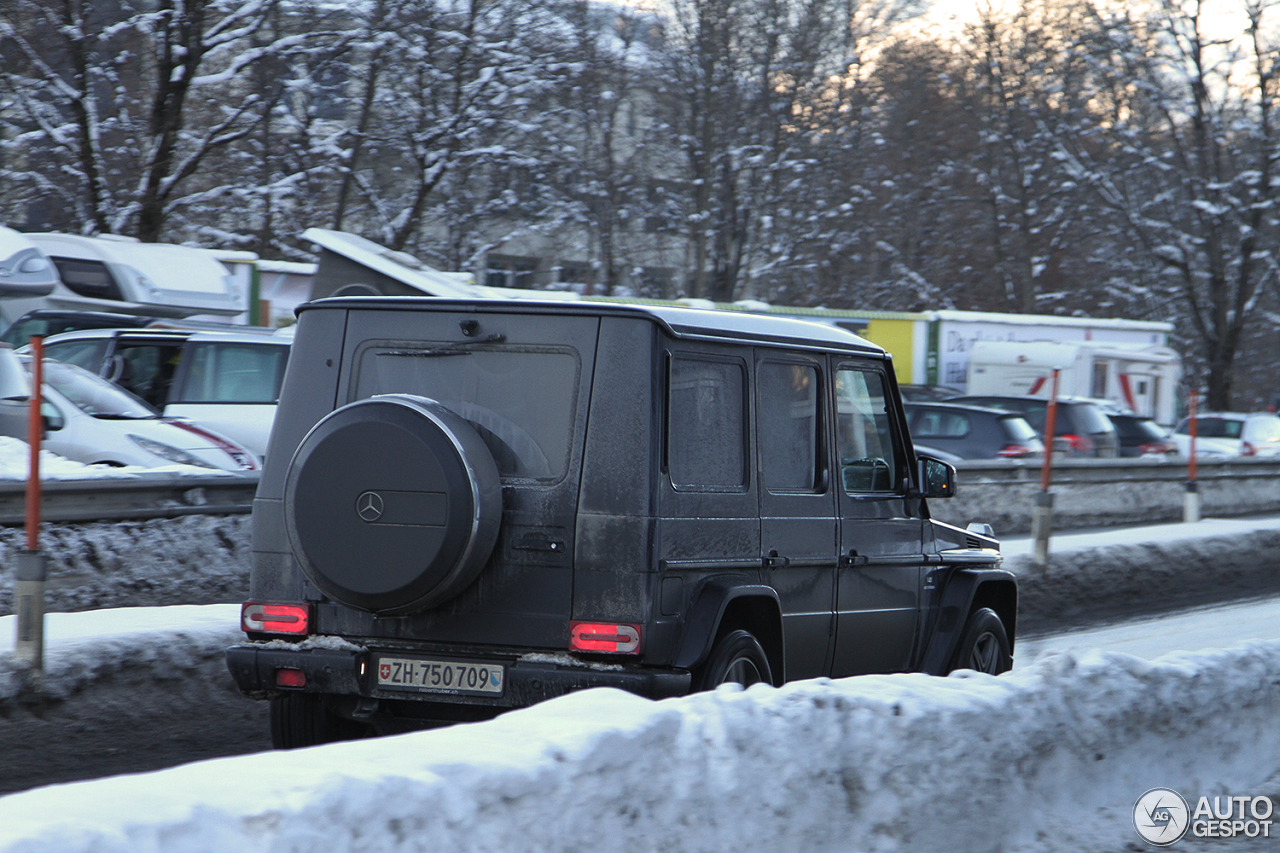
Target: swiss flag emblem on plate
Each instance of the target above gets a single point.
(385, 670)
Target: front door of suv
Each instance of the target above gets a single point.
(881, 540)
(797, 504)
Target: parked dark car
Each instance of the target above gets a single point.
(1081, 423)
(924, 393)
(1141, 436)
(973, 432)
(474, 506)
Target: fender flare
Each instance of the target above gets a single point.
(705, 614)
(964, 586)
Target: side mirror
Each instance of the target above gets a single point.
(937, 479)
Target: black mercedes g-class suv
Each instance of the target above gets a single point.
(474, 506)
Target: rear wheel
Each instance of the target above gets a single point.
(303, 719)
(984, 646)
(736, 658)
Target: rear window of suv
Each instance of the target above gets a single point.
(521, 399)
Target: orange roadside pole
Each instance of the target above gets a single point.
(32, 569)
(1191, 497)
(1042, 514)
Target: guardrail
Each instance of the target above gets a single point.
(159, 495)
(1087, 493)
(1107, 492)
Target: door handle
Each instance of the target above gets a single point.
(773, 561)
(853, 559)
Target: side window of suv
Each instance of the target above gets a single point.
(789, 426)
(706, 434)
(864, 433)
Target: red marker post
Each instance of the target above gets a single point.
(1042, 515)
(1191, 497)
(32, 569)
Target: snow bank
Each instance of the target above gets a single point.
(192, 559)
(15, 464)
(1050, 758)
(83, 648)
(1095, 576)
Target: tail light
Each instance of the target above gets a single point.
(1079, 443)
(1015, 451)
(1157, 447)
(260, 617)
(1248, 449)
(609, 637)
(287, 677)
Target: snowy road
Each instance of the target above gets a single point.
(1215, 627)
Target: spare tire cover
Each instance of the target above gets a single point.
(392, 504)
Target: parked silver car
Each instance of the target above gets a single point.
(1230, 434)
(88, 419)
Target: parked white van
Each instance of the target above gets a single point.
(226, 381)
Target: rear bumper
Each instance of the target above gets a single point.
(345, 672)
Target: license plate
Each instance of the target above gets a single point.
(440, 676)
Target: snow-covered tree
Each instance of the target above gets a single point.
(119, 106)
(1187, 157)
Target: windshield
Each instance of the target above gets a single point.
(13, 379)
(1017, 428)
(92, 394)
(1137, 429)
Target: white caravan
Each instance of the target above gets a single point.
(25, 271)
(123, 275)
(1142, 378)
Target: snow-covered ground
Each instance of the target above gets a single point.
(15, 464)
(1050, 757)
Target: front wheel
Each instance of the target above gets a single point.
(303, 719)
(736, 658)
(984, 646)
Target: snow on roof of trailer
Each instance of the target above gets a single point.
(288, 267)
(167, 265)
(400, 266)
(1060, 353)
(12, 242)
(1047, 319)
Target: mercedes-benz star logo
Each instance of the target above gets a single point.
(369, 506)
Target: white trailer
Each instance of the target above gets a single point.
(25, 271)
(1143, 378)
(123, 275)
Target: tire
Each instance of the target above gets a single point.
(984, 645)
(302, 719)
(392, 504)
(736, 658)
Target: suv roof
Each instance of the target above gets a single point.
(688, 323)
